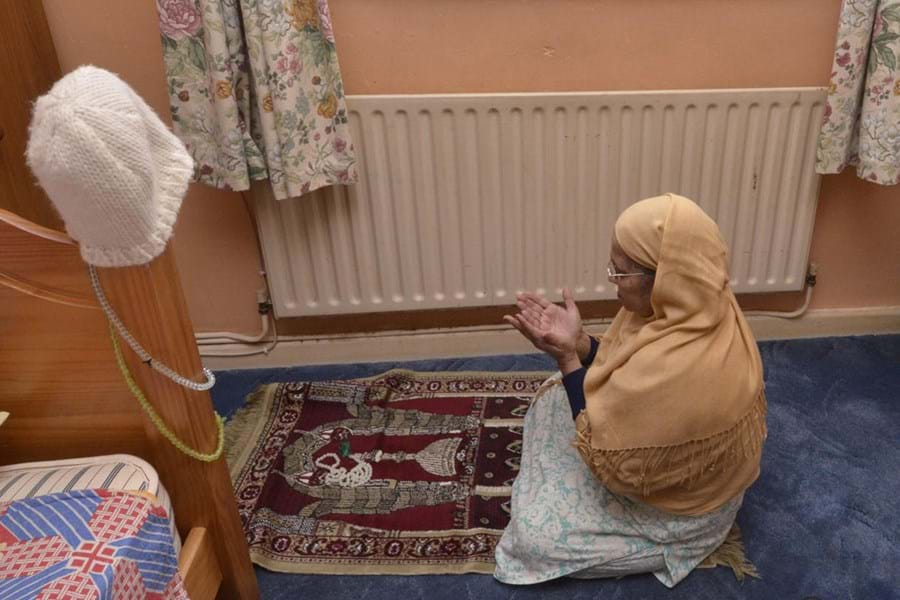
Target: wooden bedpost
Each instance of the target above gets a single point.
(150, 303)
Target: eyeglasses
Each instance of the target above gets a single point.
(613, 274)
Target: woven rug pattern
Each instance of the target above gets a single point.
(401, 473)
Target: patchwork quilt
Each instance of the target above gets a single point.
(87, 544)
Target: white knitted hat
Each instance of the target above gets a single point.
(113, 170)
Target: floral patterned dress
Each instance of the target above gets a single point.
(566, 523)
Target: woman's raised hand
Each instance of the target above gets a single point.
(552, 328)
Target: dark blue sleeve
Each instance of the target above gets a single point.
(589, 359)
(574, 383)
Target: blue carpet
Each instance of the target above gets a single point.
(823, 519)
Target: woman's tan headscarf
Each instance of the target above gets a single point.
(675, 413)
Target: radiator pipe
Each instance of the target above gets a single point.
(220, 352)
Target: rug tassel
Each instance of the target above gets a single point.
(239, 428)
(731, 554)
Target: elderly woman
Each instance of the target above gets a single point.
(668, 410)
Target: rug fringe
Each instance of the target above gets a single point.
(731, 554)
(240, 428)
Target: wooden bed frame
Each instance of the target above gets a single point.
(66, 397)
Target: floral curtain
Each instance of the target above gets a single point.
(862, 115)
(256, 92)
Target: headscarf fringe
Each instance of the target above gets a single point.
(685, 464)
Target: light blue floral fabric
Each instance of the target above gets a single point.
(566, 523)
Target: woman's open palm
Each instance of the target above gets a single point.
(552, 328)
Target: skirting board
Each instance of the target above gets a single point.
(501, 339)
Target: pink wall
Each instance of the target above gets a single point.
(856, 243)
(416, 46)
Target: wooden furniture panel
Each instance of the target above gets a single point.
(58, 376)
(198, 565)
(29, 66)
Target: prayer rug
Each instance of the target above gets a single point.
(401, 473)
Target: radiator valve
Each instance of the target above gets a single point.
(811, 274)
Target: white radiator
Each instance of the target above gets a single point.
(464, 200)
